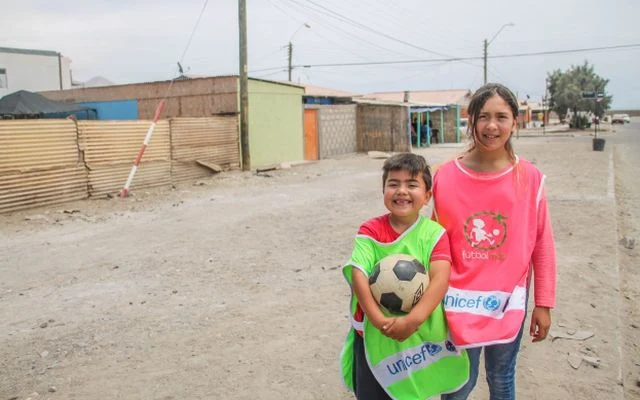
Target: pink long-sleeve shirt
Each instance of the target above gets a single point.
(499, 231)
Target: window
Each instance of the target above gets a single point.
(3, 78)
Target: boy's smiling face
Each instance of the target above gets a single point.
(405, 195)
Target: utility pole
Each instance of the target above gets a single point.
(244, 87)
(290, 47)
(290, 59)
(597, 119)
(486, 44)
(545, 101)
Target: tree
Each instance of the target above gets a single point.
(566, 88)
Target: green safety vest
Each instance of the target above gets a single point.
(427, 363)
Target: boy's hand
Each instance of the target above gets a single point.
(384, 324)
(402, 328)
(540, 323)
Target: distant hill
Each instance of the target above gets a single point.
(96, 81)
(632, 113)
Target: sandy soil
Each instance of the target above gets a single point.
(231, 288)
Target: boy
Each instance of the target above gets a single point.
(408, 356)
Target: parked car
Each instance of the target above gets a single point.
(620, 119)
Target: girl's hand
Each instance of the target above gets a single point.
(540, 323)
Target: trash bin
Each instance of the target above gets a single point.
(598, 144)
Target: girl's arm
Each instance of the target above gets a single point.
(544, 274)
(544, 259)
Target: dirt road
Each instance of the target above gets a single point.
(231, 288)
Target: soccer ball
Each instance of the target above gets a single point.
(398, 282)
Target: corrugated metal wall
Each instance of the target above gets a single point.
(214, 140)
(51, 161)
(110, 147)
(383, 128)
(39, 164)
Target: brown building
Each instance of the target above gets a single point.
(197, 97)
(435, 114)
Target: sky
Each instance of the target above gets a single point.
(138, 41)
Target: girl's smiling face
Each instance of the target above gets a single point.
(495, 124)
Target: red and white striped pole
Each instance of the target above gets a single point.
(125, 190)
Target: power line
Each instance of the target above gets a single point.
(352, 22)
(352, 35)
(366, 28)
(315, 31)
(540, 53)
(186, 48)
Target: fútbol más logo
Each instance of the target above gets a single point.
(485, 230)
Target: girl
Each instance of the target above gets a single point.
(493, 205)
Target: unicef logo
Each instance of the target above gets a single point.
(450, 346)
(491, 303)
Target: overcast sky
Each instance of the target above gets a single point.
(136, 41)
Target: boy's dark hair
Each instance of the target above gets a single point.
(412, 163)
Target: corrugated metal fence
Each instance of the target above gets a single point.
(51, 161)
(213, 140)
(39, 164)
(110, 147)
(382, 128)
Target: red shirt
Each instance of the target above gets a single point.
(380, 229)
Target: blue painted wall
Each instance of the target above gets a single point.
(111, 110)
(317, 100)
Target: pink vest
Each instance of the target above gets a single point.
(491, 220)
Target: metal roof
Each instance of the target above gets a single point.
(183, 78)
(317, 91)
(433, 97)
(372, 101)
(29, 51)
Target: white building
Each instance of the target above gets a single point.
(33, 70)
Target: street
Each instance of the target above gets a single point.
(230, 287)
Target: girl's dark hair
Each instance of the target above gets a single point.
(412, 163)
(478, 101)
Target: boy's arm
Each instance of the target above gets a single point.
(436, 290)
(368, 304)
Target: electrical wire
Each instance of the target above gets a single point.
(297, 4)
(352, 22)
(357, 24)
(186, 48)
(515, 55)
